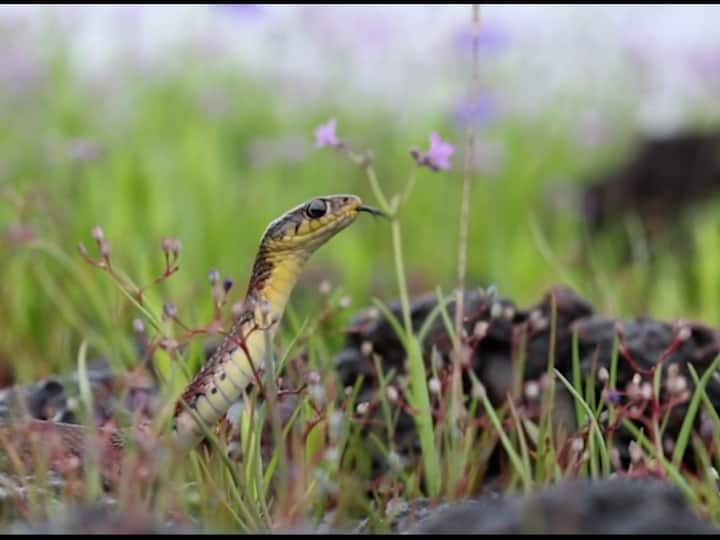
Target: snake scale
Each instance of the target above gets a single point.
(285, 247)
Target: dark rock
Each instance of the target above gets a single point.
(664, 178)
(492, 351)
(607, 506)
(55, 397)
(496, 331)
(99, 519)
(647, 342)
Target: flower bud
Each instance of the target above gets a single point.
(481, 328)
(170, 310)
(684, 333)
(325, 287)
(532, 390)
(636, 452)
(138, 326)
(104, 248)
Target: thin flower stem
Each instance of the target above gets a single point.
(456, 383)
(379, 195)
(400, 270)
(418, 375)
(467, 178)
(416, 365)
(408, 187)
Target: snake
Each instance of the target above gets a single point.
(285, 247)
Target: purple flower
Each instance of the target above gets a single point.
(20, 70)
(475, 111)
(438, 155)
(490, 37)
(242, 10)
(440, 152)
(613, 397)
(325, 135)
(706, 64)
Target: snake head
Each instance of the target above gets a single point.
(309, 225)
(290, 240)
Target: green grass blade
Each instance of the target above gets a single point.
(604, 456)
(684, 435)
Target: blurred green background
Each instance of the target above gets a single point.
(208, 147)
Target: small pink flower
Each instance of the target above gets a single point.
(325, 135)
(438, 155)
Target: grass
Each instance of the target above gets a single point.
(160, 165)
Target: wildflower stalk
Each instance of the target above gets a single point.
(456, 394)
(418, 375)
(436, 158)
(379, 195)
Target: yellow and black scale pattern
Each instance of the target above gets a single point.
(284, 249)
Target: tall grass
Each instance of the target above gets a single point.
(160, 165)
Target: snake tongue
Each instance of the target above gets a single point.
(371, 210)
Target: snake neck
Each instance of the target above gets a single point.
(223, 379)
(273, 278)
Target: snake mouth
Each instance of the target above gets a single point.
(371, 210)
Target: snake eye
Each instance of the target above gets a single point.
(316, 208)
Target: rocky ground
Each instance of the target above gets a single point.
(608, 506)
(497, 328)
(497, 331)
